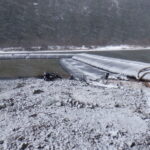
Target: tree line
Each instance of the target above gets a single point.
(74, 22)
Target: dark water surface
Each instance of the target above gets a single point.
(29, 67)
(137, 55)
(35, 67)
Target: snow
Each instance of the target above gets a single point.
(120, 47)
(32, 56)
(147, 93)
(125, 67)
(70, 115)
(35, 4)
(83, 71)
(83, 48)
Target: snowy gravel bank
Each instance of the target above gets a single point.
(6, 56)
(72, 48)
(68, 115)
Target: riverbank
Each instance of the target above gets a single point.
(70, 49)
(68, 114)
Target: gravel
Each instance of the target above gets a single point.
(73, 115)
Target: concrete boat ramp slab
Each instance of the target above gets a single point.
(82, 70)
(95, 67)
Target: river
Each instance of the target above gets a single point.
(15, 68)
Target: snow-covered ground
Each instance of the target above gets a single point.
(73, 115)
(59, 51)
(33, 55)
(72, 48)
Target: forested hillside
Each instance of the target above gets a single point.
(74, 22)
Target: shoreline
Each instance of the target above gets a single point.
(73, 49)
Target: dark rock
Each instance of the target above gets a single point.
(24, 146)
(16, 129)
(133, 144)
(51, 76)
(37, 91)
(98, 136)
(1, 142)
(2, 106)
(11, 102)
(71, 77)
(34, 115)
(117, 105)
(21, 138)
(41, 146)
(49, 135)
(106, 75)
